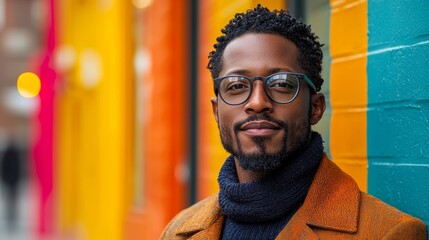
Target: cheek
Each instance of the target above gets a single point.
(301, 109)
(226, 115)
(294, 114)
(225, 125)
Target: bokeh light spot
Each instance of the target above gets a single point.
(28, 85)
(140, 4)
(91, 70)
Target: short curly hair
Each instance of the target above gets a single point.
(280, 22)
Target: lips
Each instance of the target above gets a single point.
(260, 128)
(259, 125)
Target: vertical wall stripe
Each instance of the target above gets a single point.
(206, 123)
(193, 101)
(166, 85)
(348, 87)
(96, 95)
(43, 132)
(165, 128)
(398, 102)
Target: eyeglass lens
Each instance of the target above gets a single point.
(281, 88)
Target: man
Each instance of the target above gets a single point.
(278, 183)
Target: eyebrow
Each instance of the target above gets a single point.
(245, 72)
(238, 72)
(276, 70)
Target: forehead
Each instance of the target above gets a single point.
(260, 54)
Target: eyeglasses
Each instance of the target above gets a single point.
(280, 87)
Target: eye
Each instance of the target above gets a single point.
(235, 85)
(282, 84)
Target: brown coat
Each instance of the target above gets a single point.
(334, 208)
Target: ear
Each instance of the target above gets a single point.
(215, 109)
(318, 106)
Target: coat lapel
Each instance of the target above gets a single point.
(207, 224)
(211, 232)
(332, 203)
(297, 229)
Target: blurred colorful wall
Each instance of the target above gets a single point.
(125, 138)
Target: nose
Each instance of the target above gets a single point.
(258, 102)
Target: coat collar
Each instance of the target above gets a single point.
(332, 203)
(206, 219)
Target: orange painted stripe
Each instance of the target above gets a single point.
(165, 33)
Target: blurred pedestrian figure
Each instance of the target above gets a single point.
(10, 167)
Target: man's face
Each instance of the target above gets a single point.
(261, 133)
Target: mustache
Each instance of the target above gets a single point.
(265, 117)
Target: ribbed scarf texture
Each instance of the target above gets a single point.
(260, 209)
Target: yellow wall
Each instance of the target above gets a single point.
(348, 87)
(94, 118)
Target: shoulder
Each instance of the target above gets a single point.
(194, 218)
(335, 205)
(390, 222)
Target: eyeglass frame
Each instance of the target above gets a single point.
(299, 76)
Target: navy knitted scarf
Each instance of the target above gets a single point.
(260, 209)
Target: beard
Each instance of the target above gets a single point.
(261, 161)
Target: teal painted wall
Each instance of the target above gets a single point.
(398, 104)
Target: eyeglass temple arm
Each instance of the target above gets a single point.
(310, 83)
